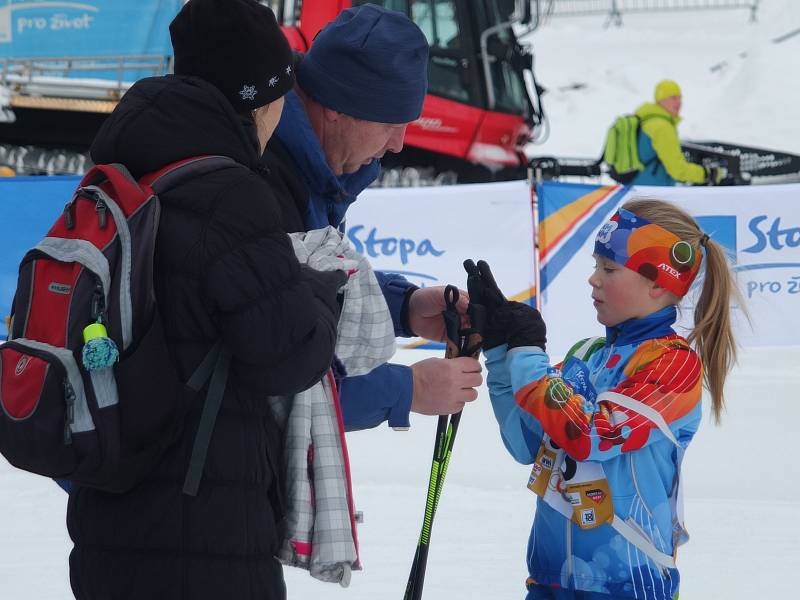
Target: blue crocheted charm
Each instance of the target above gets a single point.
(99, 350)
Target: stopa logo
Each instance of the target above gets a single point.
(375, 246)
(771, 234)
(768, 233)
(370, 243)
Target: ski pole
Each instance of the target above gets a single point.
(469, 345)
(460, 342)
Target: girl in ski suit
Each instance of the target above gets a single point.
(607, 428)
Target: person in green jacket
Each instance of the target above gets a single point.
(659, 146)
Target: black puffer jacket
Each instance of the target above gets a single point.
(224, 268)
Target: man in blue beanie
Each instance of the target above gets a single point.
(358, 87)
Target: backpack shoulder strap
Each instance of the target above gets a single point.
(216, 365)
(642, 121)
(178, 172)
(653, 116)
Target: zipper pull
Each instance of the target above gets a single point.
(69, 419)
(95, 305)
(69, 219)
(98, 301)
(101, 208)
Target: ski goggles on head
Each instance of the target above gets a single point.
(650, 250)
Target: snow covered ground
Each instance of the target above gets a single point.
(594, 74)
(742, 493)
(742, 485)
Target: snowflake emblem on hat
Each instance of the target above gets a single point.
(288, 70)
(273, 82)
(248, 92)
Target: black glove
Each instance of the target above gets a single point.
(482, 287)
(522, 325)
(325, 285)
(485, 298)
(513, 323)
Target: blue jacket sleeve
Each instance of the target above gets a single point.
(64, 484)
(382, 394)
(396, 290)
(521, 433)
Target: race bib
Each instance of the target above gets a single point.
(578, 490)
(543, 467)
(591, 502)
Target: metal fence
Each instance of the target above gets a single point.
(87, 77)
(615, 9)
(30, 160)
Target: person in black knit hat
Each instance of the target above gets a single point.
(235, 45)
(224, 270)
(238, 47)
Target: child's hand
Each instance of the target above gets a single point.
(511, 323)
(485, 299)
(483, 289)
(520, 325)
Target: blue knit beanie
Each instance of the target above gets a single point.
(370, 63)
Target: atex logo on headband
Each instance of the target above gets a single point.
(650, 250)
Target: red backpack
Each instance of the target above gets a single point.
(88, 390)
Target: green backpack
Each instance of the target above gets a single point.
(621, 152)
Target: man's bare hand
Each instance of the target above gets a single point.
(425, 308)
(443, 386)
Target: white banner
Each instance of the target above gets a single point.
(426, 234)
(760, 227)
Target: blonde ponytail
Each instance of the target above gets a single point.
(712, 335)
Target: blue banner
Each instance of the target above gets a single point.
(28, 208)
(569, 214)
(30, 29)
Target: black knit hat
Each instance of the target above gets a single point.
(237, 46)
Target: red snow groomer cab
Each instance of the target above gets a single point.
(483, 104)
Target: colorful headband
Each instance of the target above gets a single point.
(650, 250)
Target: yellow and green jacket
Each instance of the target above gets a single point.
(660, 150)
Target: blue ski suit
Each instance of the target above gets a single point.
(605, 431)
